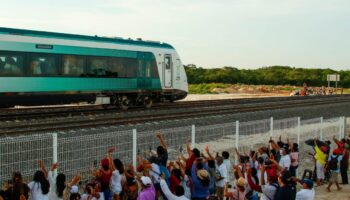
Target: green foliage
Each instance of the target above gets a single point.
(274, 75)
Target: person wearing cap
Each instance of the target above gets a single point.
(239, 192)
(200, 181)
(103, 175)
(269, 189)
(320, 157)
(307, 192)
(333, 165)
(148, 192)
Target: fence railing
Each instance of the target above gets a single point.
(78, 151)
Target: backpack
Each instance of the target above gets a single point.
(333, 163)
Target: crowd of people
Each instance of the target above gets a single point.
(267, 174)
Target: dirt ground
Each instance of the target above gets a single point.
(322, 194)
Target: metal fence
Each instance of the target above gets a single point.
(78, 151)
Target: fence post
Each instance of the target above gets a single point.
(237, 139)
(134, 146)
(271, 127)
(54, 148)
(298, 140)
(321, 128)
(343, 126)
(193, 136)
(340, 128)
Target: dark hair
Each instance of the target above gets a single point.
(74, 196)
(225, 154)
(211, 163)
(273, 152)
(255, 175)
(179, 191)
(39, 177)
(88, 189)
(260, 160)
(60, 184)
(119, 165)
(177, 173)
(17, 177)
(286, 177)
(199, 165)
(295, 147)
(287, 150)
(105, 167)
(252, 153)
(161, 150)
(196, 153)
(280, 144)
(242, 159)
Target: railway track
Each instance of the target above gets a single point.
(27, 113)
(164, 113)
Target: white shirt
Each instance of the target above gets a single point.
(86, 196)
(37, 194)
(168, 194)
(116, 182)
(285, 162)
(228, 168)
(223, 173)
(305, 194)
(52, 180)
(154, 173)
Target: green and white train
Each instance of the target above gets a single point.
(41, 68)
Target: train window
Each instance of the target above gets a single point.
(148, 68)
(40, 65)
(154, 67)
(73, 65)
(116, 68)
(97, 66)
(130, 66)
(11, 64)
(167, 62)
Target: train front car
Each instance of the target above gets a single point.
(172, 75)
(42, 68)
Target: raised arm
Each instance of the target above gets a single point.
(110, 158)
(208, 152)
(188, 148)
(165, 188)
(42, 167)
(250, 181)
(161, 140)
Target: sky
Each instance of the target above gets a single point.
(207, 33)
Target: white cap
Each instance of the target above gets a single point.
(146, 180)
(74, 189)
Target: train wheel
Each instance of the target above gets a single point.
(148, 102)
(124, 103)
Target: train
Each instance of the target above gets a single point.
(50, 68)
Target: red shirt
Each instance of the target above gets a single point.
(189, 162)
(174, 181)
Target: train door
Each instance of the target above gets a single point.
(168, 71)
(141, 71)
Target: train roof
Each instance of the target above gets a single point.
(96, 38)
